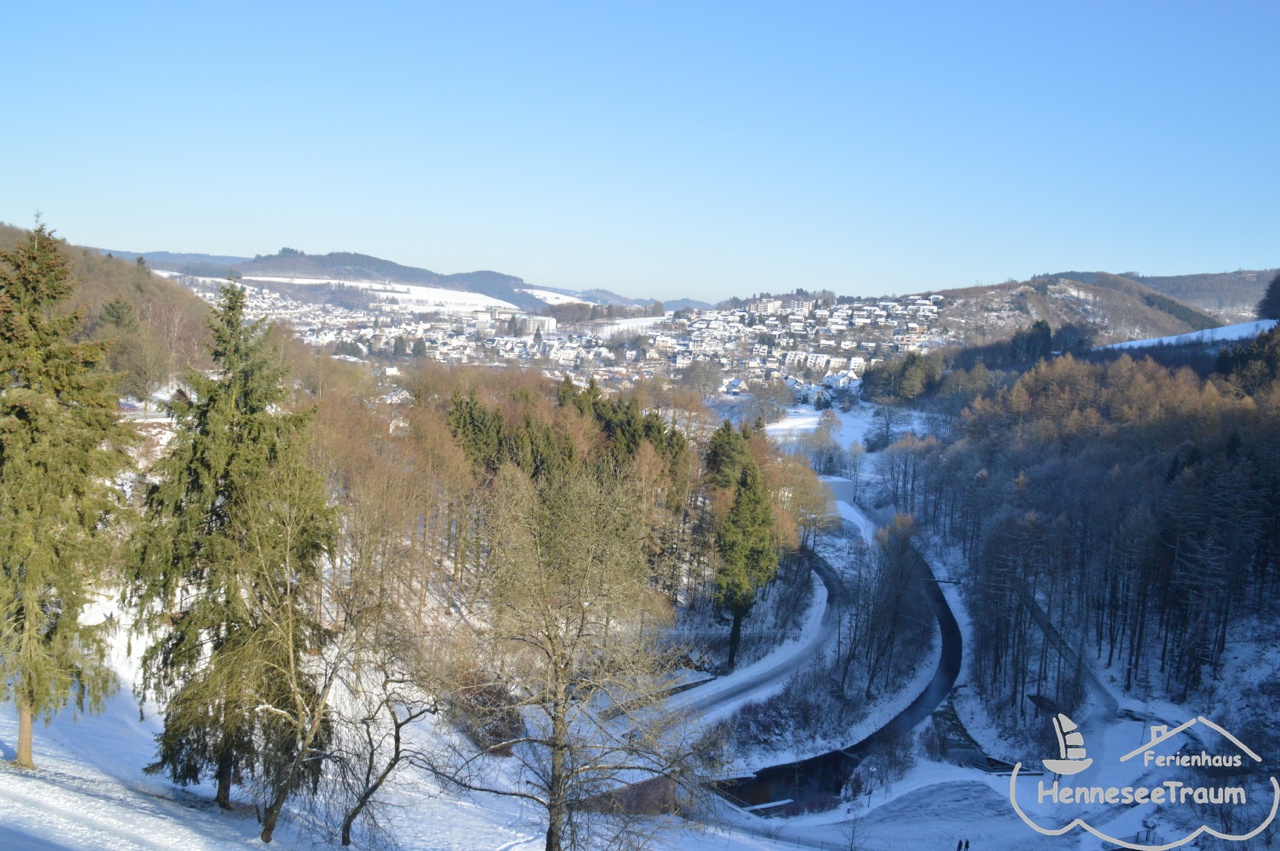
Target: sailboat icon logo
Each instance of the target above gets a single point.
(1072, 758)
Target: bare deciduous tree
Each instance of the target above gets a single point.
(573, 618)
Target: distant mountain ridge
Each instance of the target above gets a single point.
(345, 266)
(1114, 308)
(155, 258)
(348, 266)
(687, 304)
(1231, 296)
(1137, 303)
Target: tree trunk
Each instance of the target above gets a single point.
(557, 786)
(286, 784)
(274, 808)
(555, 839)
(735, 636)
(24, 759)
(349, 821)
(370, 790)
(223, 796)
(290, 779)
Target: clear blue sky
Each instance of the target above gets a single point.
(697, 149)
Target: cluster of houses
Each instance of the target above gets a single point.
(817, 348)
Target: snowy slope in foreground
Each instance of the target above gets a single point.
(89, 794)
(1243, 331)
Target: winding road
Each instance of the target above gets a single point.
(717, 699)
(824, 774)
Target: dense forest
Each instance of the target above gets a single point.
(1114, 517)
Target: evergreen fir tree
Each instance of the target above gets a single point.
(59, 444)
(1269, 306)
(227, 567)
(748, 559)
(726, 453)
(481, 432)
(566, 394)
(590, 399)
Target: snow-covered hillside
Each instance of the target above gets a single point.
(1225, 334)
(553, 298)
(417, 298)
(426, 299)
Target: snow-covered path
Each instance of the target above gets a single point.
(718, 699)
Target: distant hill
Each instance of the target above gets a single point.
(196, 265)
(170, 260)
(347, 267)
(157, 328)
(1122, 306)
(603, 297)
(687, 303)
(102, 279)
(1114, 308)
(1231, 296)
(341, 266)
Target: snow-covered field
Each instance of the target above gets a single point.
(855, 424)
(554, 298)
(425, 299)
(634, 325)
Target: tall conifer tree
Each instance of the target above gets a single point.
(1269, 306)
(748, 559)
(726, 453)
(59, 445)
(227, 567)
